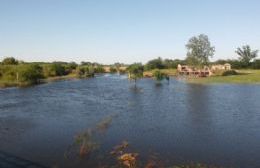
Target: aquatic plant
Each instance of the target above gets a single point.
(104, 124)
(128, 160)
(159, 76)
(86, 142)
(118, 149)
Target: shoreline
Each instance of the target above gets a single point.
(7, 84)
(246, 77)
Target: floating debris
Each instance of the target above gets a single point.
(86, 142)
(128, 160)
(119, 149)
(104, 124)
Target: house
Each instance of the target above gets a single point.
(221, 67)
(193, 71)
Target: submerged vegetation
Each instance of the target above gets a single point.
(159, 76)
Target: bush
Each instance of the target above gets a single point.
(256, 64)
(10, 61)
(55, 69)
(85, 71)
(99, 69)
(158, 75)
(30, 74)
(113, 70)
(155, 64)
(229, 73)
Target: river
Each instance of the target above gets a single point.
(177, 122)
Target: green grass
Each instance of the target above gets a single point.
(244, 77)
(12, 83)
(170, 72)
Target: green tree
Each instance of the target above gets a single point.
(99, 69)
(155, 64)
(10, 61)
(30, 74)
(85, 71)
(135, 71)
(159, 76)
(113, 69)
(199, 50)
(246, 55)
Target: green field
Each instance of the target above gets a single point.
(244, 77)
(170, 72)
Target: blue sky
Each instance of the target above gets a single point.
(109, 31)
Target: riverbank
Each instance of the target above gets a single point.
(169, 72)
(6, 84)
(244, 77)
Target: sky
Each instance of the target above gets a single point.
(108, 31)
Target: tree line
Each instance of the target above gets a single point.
(14, 72)
(199, 52)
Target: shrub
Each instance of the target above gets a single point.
(10, 61)
(113, 70)
(229, 73)
(99, 69)
(158, 75)
(85, 71)
(30, 74)
(54, 69)
(256, 64)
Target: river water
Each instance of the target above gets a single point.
(178, 122)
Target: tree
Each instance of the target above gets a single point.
(30, 74)
(159, 76)
(85, 71)
(199, 50)
(112, 69)
(135, 71)
(155, 64)
(10, 61)
(246, 55)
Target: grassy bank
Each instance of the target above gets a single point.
(169, 72)
(243, 77)
(5, 84)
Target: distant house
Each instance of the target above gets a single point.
(221, 67)
(201, 72)
(192, 71)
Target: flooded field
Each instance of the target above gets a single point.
(106, 121)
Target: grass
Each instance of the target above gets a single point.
(57, 78)
(170, 72)
(243, 77)
(9, 83)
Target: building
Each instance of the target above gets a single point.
(203, 72)
(192, 71)
(221, 67)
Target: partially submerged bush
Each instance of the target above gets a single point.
(159, 76)
(229, 73)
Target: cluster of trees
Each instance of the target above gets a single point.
(21, 73)
(159, 63)
(199, 52)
